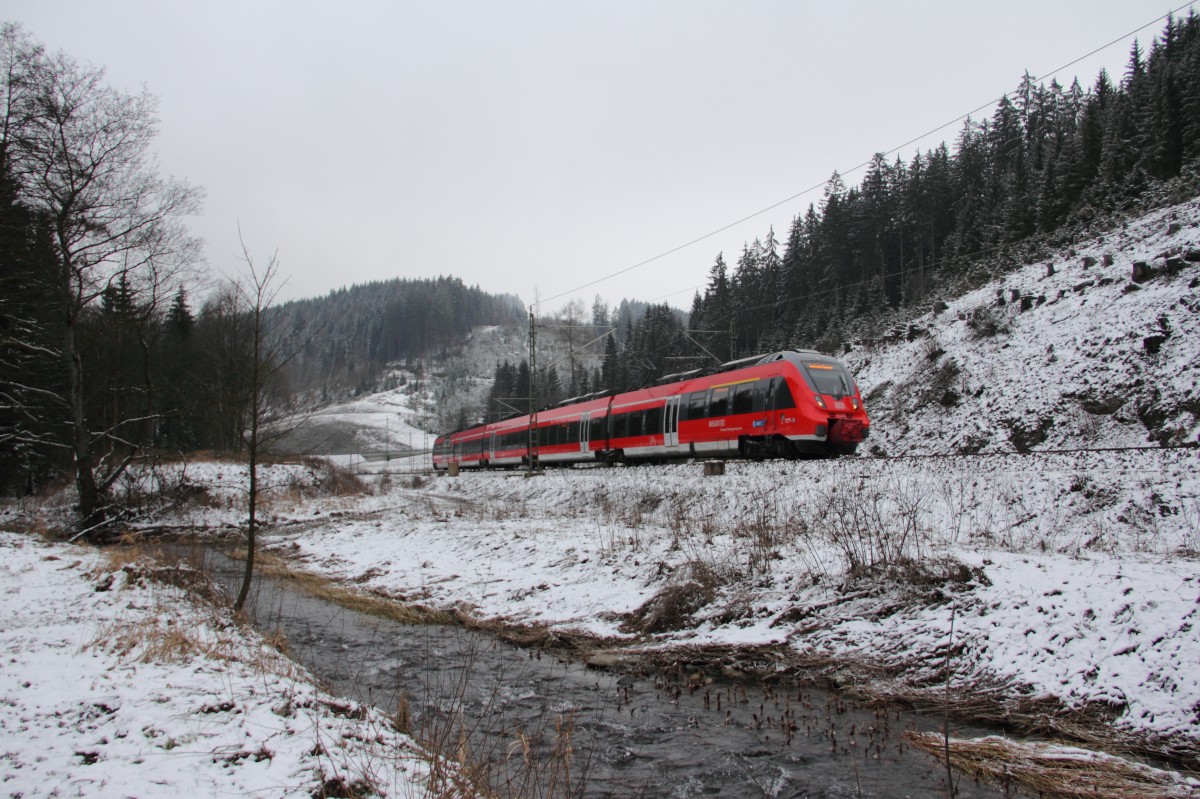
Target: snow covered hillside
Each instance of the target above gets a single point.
(420, 400)
(1097, 346)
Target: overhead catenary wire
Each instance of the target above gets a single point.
(856, 167)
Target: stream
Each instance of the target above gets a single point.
(616, 734)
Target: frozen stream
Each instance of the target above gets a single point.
(648, 735)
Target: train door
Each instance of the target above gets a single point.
(671, 422)
(764, 406)
(585, 432)
(490, 455)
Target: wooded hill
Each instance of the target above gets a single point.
(349, 336)
(1050, 163)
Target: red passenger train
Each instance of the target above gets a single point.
(786, 404)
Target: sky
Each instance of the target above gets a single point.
(534, 147)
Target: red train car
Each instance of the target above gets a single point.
(787, 404)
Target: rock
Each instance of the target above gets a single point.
(1026, 303)
(1152, 344)
(1173, 228)
(1141, 272)
(1049, 270)
(1088, 262)
(1107, 259)
(939, 306)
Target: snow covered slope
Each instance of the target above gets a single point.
(1068, 351)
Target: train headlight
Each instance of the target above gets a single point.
(820, 402)
(854, 403)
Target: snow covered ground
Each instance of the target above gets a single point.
(1064, 580)
(114, 683)
(1067, 578)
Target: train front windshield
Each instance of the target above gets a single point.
(829, 379)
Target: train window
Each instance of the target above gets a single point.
(743, 398)
(654, 420)
(761, 392)
(635, 423)
(598, 431)
(696, 402)
(620, 425)
(783, 395)
(718, 404)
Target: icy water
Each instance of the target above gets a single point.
(628, 734)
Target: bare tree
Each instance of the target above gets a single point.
(80, 154)
(269, 411)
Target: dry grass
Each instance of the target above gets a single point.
(691, 587)
(36, 524)
(181, 625)
(1054, 770)
(524, 635)
(352, 599)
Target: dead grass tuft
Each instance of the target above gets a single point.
(932, 579)
(691, 587)
(334, 481)
(179, 626)
(1054, 770)
(322, 588)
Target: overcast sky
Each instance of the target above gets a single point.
(538, 146)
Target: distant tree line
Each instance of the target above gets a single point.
(633, 343)
(1050, 159)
